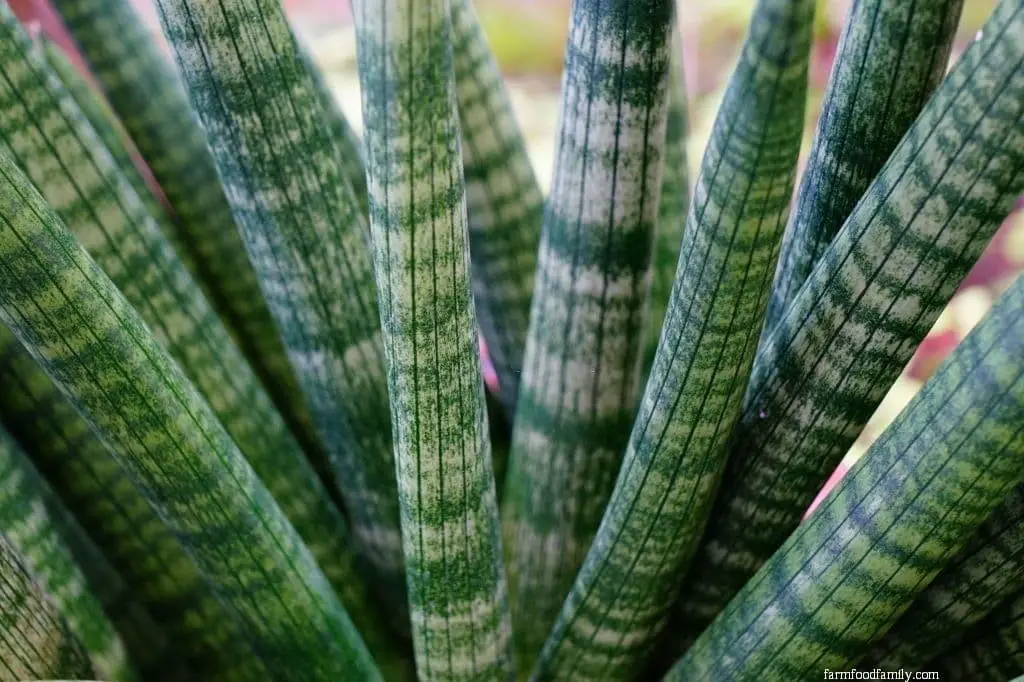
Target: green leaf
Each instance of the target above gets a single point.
(44, 131)
(450, 531)
(146, 94)
(121, 520)
(677, 448)
(883, 534)
(991, 651)
(306, 237)
(35, 640)
(87, 337)
(674, 205)
(26, 524)
(503, 200)
(856, 322)
(891, 57)
(988, 570)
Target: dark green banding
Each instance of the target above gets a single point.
(45, 132)
(581, 372)
(26, 524)
(36, 642)
(449, 514)
(306, 237)
(992, 651)
(674, 205)
(503, 201)
(988, 570)
(142, 88)
(121, 521)
(677, 448)
(895, 520)
(856, 322)
(89, 339)
(891, 56)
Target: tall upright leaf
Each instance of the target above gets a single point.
(503, 200)
(674, 205)
(121, 520)
(450, 532)
(147, 96)
(986, 572)
(581, 372)
(891, 56)
(306, 236)
(45, 132)
(884, 533)
(867, 305)
(992, 651)
(26, 524)
(84, 333)
(35, 640)
(677, 448)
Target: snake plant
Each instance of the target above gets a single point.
(245, 432)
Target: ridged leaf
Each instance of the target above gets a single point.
(450, 532)
(891, 56)
(988, 570)
(992, 651)
(84, 333)
(503, 200)
(676, 451)
(867, 305)
(35, 640)
(306, 237)
(121, 520)
(883, 534)
(26, 524)
(142, 88)
(45, 132)
(581, 372)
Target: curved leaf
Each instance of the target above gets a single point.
(992, 651)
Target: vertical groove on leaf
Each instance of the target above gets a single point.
(450, 532)
(875, 294)
(503, 200)
(991, 651)
(677, 448)
(36, 642)
(583, 357)
(143, 89)
(26, 524)
(674, 204)
(904, 510)
(84, 333)
(306, 237)
(44, 131)
(988, 570)
(121, 520)
(891, 56)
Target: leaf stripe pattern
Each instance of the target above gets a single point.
(457, 591)
(35, 640)
(306, 237)
(677, 447)
(503, 200)
(121, 520)
(891, 57)
(45, 132)
(865, 308)
(26, 524)
(583, 358)
(881, 536)
(989, 570)
(147, 95)
(992, 651)
(674, 205)
(88, 338)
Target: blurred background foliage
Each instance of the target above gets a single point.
(528, 37)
